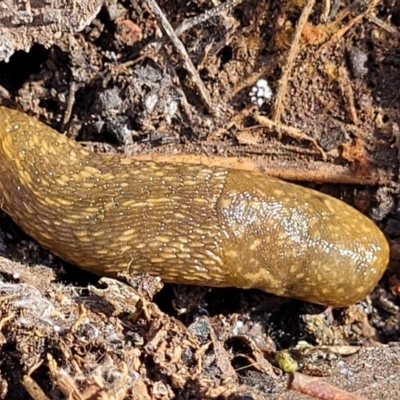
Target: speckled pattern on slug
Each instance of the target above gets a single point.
(187, 223)
(300, 241)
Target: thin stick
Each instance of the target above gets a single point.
(73, 87)
(289, 130)
(34, 390)
(348, 94)
(198, 19)
(180, 48)
(294, 49)
(341, 32)
(382, 24)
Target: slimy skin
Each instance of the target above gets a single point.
(188, 224)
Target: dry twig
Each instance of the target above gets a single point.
(382, 24)
(213, 12)
(348, 94)
(73, 88)
(180, 48)
(341, 32)
(294, 49)
(34, 390)
(289, 130)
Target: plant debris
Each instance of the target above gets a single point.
(174, 80)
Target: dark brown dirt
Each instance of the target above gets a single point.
(120, 85)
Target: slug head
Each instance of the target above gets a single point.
(295, 242)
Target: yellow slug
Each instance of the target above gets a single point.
(189, 224)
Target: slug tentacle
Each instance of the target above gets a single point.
(188, 224)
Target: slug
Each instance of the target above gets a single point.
(188, 224)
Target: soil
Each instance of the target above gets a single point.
(115, 76)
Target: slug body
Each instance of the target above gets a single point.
(188, 224)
